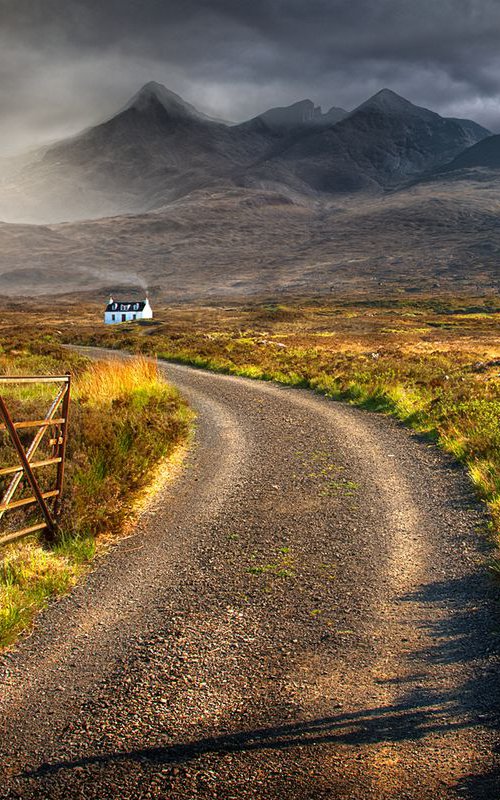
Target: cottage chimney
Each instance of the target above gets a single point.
(111, 298)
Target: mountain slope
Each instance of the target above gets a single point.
(241, 243)
(383, 142)
(485, 153)
(159, 148)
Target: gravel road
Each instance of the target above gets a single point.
(303, 612)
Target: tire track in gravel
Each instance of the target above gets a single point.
(303, 613)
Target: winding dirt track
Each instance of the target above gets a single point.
(303, 612)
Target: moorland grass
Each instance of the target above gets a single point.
(433, 363)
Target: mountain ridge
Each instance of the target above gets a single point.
(381, 144)
(159, 148)
(283, 119)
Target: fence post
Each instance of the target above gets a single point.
(62, 447)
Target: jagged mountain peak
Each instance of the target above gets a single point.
(390, 102)
(153, 95)
(297, 115)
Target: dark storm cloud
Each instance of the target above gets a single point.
(67, 63)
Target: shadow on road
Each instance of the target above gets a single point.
(429, 703)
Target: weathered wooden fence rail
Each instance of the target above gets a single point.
(57, 429)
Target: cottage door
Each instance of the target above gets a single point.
(124, 317)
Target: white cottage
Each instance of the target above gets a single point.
(116, 311)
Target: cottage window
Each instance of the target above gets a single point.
(113, 317)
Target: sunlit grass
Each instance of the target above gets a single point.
(124, 420)
(105, 381)
(433, 363)
(29, 576)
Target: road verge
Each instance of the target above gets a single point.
(127, 425)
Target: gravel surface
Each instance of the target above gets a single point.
(304, 612)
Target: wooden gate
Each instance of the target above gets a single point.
(57, 429)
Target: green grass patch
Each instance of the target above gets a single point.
(283, 567)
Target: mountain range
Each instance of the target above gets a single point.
(159, 148)
(161, 184)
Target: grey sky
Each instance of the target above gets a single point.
(66, 64)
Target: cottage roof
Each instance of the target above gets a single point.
(134, 305)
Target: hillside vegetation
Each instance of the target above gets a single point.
(124, 421)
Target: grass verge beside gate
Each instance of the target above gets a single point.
(124, 421)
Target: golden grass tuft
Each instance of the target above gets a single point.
(105, 381)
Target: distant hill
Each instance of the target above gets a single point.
(485, 153)
(159, 148)
(240, 243)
